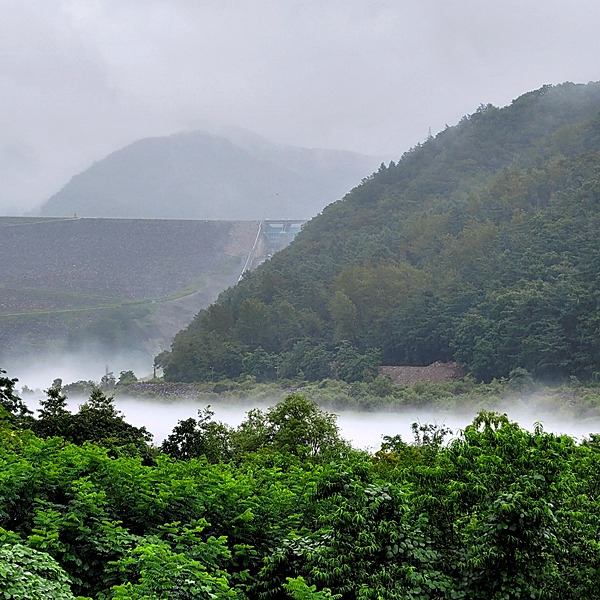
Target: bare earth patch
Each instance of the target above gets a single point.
(437, 372)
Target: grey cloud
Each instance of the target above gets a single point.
(81, 78)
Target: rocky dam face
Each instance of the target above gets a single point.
(111, 288)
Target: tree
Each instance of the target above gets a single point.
(366, 541)
(101, 403)
(352, 366)
(295, 425)
(155, 571)
(253, 433)
(301, 427)
(193, 438)
(99, 421)
(126, 377)
(108, 380)
(29, 574)
(10, 401)
(55, 403)
(307, 360)
(260, 364)
(161, 360)
(297, 588)
(54, 417)
(344, 317)
(254, 324)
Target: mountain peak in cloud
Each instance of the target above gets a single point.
(233, 174)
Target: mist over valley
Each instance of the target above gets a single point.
(363, 429)
(299, 300)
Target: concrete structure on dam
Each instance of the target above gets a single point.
(272, 235)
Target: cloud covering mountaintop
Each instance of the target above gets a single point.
(198, 175)
(81, 78)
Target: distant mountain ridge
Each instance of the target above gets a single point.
(199, 175)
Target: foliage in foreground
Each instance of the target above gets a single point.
(495, 512)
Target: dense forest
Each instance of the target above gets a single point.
(480, 245)
(282, 507)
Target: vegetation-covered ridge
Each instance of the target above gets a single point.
(280, 507)
(481, 245)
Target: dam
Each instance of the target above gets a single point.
(272, 235)
(119, 285)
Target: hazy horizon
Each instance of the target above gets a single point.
(85, 78)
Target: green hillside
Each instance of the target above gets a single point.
(114, 283)
(480, 245)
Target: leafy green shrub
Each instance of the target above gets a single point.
(27, 574)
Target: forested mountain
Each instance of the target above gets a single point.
(480, 245)
(197, 175)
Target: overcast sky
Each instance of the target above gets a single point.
(82, 78)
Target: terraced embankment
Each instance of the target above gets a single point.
(115, 284)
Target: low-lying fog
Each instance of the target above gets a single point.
(38, 370)
(363, 429)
